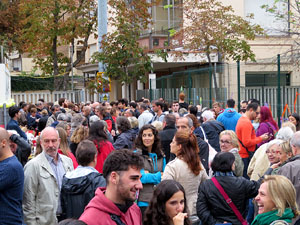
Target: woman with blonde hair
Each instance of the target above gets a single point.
(229, 143)
(186, 168)
(64, 146)
(79, 134)
(276, 201)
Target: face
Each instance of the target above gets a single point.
(226, 143)
(50, 142)
(128, 183)
(244, 106)
(154, 108)
(148, 138)
(272, 154)
(120, 105)
(293, 120)
(282, 155)
(175, 204)
(182, 124)
(127, 113)
(175, 148)
(108, 109)
(217, 109)
(265, 204)
(175, 107)
(255, 114)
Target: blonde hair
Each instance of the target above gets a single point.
(286, 147)
(158, 125)
(234, 138)
(79, 134)
(64, 147)
(134, 123)
(282, 192)
(290, 125)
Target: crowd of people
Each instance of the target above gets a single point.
(143, 162)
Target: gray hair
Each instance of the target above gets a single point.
(295, 140)
(274, 142)
(190, 121)
(285, 133)
(207, 114)
(93, 119)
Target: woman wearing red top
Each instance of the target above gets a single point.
(98, 135)
(64, 146)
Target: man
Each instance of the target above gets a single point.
(122, 104)
(134, 107)
(15, 114)
(291, 169)
(186, 124)
(246, 135)
(129, 113)
(217, 109)
(167, 134)
(11, 183)
(115, 204)
(175, 107)
(23, 120)
(145, 116)
(43, 179)
(157, 108)
(53, 118)
(86, 112)
(244, 104)
(79, 186)
(229, 117)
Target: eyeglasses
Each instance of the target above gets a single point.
(257, 113)
(225, 142)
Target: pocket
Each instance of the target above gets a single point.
(45, 174)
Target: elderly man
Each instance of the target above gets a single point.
(43, 179)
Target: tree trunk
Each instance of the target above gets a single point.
(55, 64)
(214, 77)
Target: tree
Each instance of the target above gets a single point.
(209, 26)
(48, 25)
(125, 60)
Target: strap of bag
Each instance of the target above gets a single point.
(204, 135)
(116, 219)
(228, 200)
(249, 153)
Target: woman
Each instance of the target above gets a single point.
(276, 201)
(272, 154)
(64, 146)
(212, 207)
(98, 136)
(126, 135)
(148, 146)
(80, 133)
(266, 125)
(229, 143)
(186, 168)
(295, 119)
(168, 205)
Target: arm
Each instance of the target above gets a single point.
(119, 143)
(150, 178)
(246, 136)
(262, 129)
(169, 173)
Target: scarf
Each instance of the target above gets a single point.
(268, 217)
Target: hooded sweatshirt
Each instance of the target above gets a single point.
(229, 118)
(100, 211)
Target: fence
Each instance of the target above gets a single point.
(76, 96)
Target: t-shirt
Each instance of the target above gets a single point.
(11, 191)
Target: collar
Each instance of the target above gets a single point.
(50, 159)
(222, 174)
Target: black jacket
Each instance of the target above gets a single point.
(76, 193)
(166, 137)
(125, 140)
(211, 205)
(203, 152)
(23, 150)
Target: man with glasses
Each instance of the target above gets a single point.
(246, 135)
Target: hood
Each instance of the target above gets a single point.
(229, 112)
(79, 184)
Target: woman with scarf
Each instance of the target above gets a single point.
(276, 201)
(148, 146)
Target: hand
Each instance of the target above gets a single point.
(113, 133)
(275, 165)
(265, 137)
(179, 218)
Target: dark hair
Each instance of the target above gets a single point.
(12, 111)
(165, 107)
(170, 120)
(71, 222)
(130, 111)
(194, 119)
(156, 211)
(158, 103)
(222, 162)
(253, 106)
(85, 152)
(245, 101)
(61, 101)
(21, 103)
(97, 132)
(54, 107)
(144, 106)
(193, 110)
(123, 101)
(253, 100)
(121, 160)
(297, 117)
(123, 123)
(133, 105)
(101, 109)
(230, 103)
(189, 150)
(156, 148)
(242, 110)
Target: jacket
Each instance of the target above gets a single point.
(179, 171)
(203, 152)
(166, 137)
(259, 163)
(23, 149)
(13, 125)
(100, 209)
(211, 205)
(238, 162)
(154, 164)
(291, 170)
(145, 118)
(41, 192)
(229, 118)
(125, 140)
(104, 148)
(266, 127)
(78, 188)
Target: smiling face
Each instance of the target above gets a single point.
(148, 138)
(272, 153)
(264, 202)
(293, 120)
(226, 143)
(175, 204)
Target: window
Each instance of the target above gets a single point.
(266, 79)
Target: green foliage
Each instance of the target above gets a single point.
(125, 60)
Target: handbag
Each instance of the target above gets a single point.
(212, 151)
(229, 201)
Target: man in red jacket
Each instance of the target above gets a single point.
(115, 204)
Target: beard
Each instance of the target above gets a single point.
(126, 193)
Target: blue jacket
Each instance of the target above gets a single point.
(229, 118)
(13, 125)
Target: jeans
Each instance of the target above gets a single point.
(246, 162)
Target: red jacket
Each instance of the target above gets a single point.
(100, 209)
(103, 148)
(71, 156)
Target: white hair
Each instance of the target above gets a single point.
(285, 133)
(274, 142)
(207, 114)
